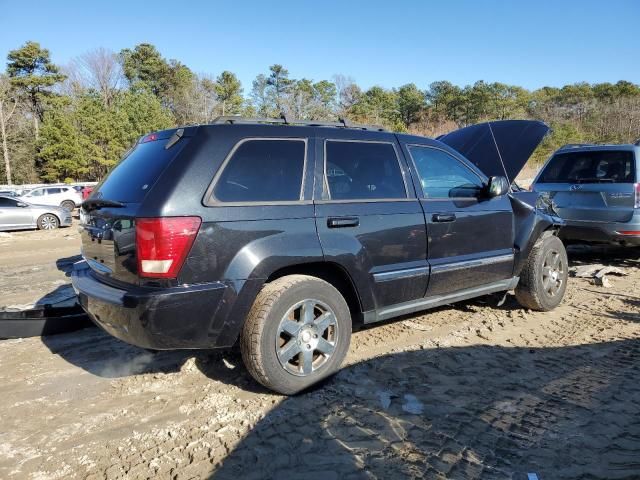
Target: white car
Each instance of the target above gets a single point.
(63, 196)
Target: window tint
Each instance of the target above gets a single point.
(590, 167)
(138, 171)
(360, 171)
(263, 171)
(7, 202)
(53, 191)
(443, 176)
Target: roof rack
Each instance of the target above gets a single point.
(285, 120)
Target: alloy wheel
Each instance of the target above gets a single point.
(48, 222)
(307, 337)
(553, 272)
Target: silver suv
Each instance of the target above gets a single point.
(596, 189)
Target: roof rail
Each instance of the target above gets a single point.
(285, 120)
(576, 145)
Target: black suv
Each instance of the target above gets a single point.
(277, 234)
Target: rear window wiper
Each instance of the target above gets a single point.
(96, 203)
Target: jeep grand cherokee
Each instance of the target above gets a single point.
(279, 233)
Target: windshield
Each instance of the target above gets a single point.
(603, 166)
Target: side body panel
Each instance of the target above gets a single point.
(13, 217)
(474, 249)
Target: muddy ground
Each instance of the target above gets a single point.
(466, 391)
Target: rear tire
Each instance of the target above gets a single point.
(68, 205)
(296, 334)
(48, 221)
(543, 279)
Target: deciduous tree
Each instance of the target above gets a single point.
(8, 106)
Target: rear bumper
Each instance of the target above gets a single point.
(161, 319)
(602, 232)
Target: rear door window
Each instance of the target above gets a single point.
(53, 191)
(137, 172)
(363, 170)
(604, 166)
(262, 170)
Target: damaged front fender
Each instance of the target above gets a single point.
(533, 217)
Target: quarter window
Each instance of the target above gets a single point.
(263, 171)
(443, 176)
(363, 170)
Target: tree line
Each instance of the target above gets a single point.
(74, 122)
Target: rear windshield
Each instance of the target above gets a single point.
(604, 166)
(136, 173)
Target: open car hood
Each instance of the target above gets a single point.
(498, 148)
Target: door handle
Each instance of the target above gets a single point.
(444, 217)
(342, 222)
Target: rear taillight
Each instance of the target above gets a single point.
(162, 244)
(636, 204)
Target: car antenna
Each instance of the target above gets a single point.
(504, 169)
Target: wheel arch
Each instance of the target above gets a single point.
(331, 273)
(48, 213)
(242, 294)
(540, 228)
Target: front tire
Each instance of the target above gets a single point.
(543, 279)
(296, 334)
(48, 221)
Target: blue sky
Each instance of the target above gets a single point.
(387, 43)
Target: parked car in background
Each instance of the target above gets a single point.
(63, 196)
(8, 193)
(279, 233)
(86, 191)
(596, 190)
(16, 214)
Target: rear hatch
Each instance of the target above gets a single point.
(591, 185)
(108, 216)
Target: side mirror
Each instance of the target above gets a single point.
(497, 186)
(21, 205)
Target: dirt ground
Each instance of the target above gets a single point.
(466, 391)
